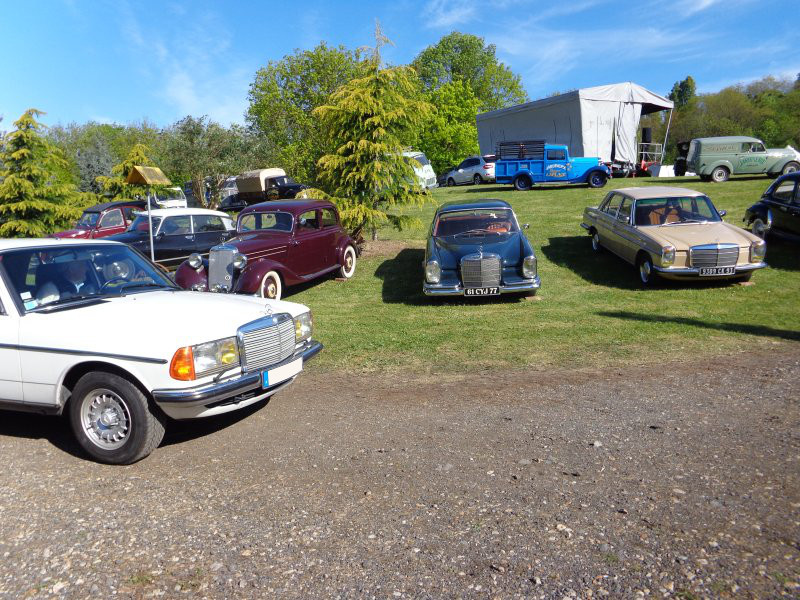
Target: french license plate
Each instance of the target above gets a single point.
(487, 291)
(711, 271)
(282, 373)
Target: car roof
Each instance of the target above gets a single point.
(470, 204)
(292, 206)
(106, 205)
(19, 243)
(167, 212)
(728, 139)
(657, 191)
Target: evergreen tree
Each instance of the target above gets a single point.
(683, 91)
(115, 184)
(368, 121)
(33, 200)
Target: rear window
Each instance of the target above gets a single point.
(490, 158)
(692, 151)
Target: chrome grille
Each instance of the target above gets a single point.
(480, 270)
(714, 255)
(266, 342)
(220, 268)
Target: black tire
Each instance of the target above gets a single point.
(596, 247)
(790, 167)
(477, 180)
(720, 174)
(523, 183)
(644, 265)
(112, 420)
(451, 182)
(597, 179)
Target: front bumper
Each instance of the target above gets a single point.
(515, 287)
(690, 272)
(244, 387)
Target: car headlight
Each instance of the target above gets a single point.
(303, 327)
(433, 272)
(529, 267)
(195, 261)
(757, 251)
(190, 362)
(667, 255)
(239, 261)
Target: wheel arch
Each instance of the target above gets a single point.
(708, 169)
(72, 375)
(250, 279)
(520, 175)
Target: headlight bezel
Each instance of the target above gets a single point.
(757, 256)
(214, 353)
(433, 272)
(239, 261)
(668, 255)
(195, 261)
(530, 266)
(303, 327)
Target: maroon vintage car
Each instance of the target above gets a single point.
(103, 219)
(277, 244)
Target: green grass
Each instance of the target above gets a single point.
(589, 312)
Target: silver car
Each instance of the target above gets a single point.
(475, 169)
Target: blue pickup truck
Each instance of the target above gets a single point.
(526, 163)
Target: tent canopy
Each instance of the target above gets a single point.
(600, 121)
(147, 176)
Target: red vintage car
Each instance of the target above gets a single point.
(103, 219)
(277, 244)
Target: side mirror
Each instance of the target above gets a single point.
(526, 226)
(722, 213)
(160, 235)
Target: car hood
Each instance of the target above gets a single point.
(450, 250)
(71, 233)
(781, 152)
(151, 324)
(128, 237)
(693, 234)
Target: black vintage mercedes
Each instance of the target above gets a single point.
(778, 211)
(477, 248)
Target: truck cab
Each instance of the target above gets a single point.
(526, 163)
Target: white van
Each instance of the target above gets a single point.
(422, 168)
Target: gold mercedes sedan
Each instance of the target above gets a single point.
(675, 233)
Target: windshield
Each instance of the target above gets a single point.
(276, 181)
(170, 194)
(416, 158)
(481, 221)
(266, 221)
(674, 211)
(88, 220)
(53, 276)
(141, 223)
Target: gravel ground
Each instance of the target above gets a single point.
(622, 483)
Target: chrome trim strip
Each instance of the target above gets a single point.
(143, 359)
(696, 270)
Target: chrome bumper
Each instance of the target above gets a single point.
(458, 290)
(212, 393)
(694, 271)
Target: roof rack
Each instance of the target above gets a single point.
(533, 149)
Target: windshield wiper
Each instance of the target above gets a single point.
(687, 221)
(144, 284)
(471, 231)
(68, 303)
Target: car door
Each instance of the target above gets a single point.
(307, 253)
(460, 174)
(606, 219)
(330, 230)
(753, 158)
(111, 222)
(793, 213)
(556, 165)
(781, 202)
(209, 230)
(624, 238)
(10, 369)
(174, 241)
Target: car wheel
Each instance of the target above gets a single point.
(271, 286)
(477, 180)
(790, 167)
(348, 268)
(646, 272)
(451, 182)
(720, 174)
(522, 183)
(596, 242)
(597, 180)
(759, 228)
(112, 420)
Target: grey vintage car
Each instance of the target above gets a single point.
(717, 158)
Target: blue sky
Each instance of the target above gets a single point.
(122, 61)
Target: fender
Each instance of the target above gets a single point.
(188, 278)
(778, 166)
(523, 173)
(343, 242)
(759, 210)
(249, 280)
(706, 170)
(598, 168)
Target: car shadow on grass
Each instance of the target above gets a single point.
(402, 283)
(760, 330)
(783, 254)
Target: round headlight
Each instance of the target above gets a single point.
(239, 261)
(433, 272)
(529, 267)
(195, 261)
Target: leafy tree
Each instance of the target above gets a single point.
(115, 185)
(368, 122)
(682, 92)
(93, 161)
(283, 97)
(466, 57)
(33, 200)
(450, 133)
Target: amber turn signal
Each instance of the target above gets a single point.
(182, 365)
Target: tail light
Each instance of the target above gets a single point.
(487, 166)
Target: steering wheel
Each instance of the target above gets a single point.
(112, 280)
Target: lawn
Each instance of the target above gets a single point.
(590, 310)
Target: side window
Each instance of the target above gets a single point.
(112, 218)
(328, 217)
(307, 221)
(177, 226)
(464, 164)
(206, 223)
(474, 162)
(624, 209)
(556, 155)
(612, 205)
(745, 146)
(127, 212)
(757, 148)
(784, 192)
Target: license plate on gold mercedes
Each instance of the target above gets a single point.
(282, 373)
(711, 271)
(487, 291)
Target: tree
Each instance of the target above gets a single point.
(283, 97)
(115, 185)
(33, 200)
(368, 121)
(450, 133)
(93, 161)
(682, 92)
(465, 57)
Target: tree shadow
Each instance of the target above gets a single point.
(760, 330)
(403, 277)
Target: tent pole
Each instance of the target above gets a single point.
(666, 136)
(150, 227)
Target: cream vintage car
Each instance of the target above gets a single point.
(674, 233)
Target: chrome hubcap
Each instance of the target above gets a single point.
(644, 271)
(595, 242)
(348, 262)
(106, 419)
(272, 289)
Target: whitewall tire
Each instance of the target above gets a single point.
(271, 287)
(348, 268)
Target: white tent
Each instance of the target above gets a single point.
(598, 121)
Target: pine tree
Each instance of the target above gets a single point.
(115, 184)
(368, 121)
(33, 201)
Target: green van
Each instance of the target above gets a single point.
(717, 158)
